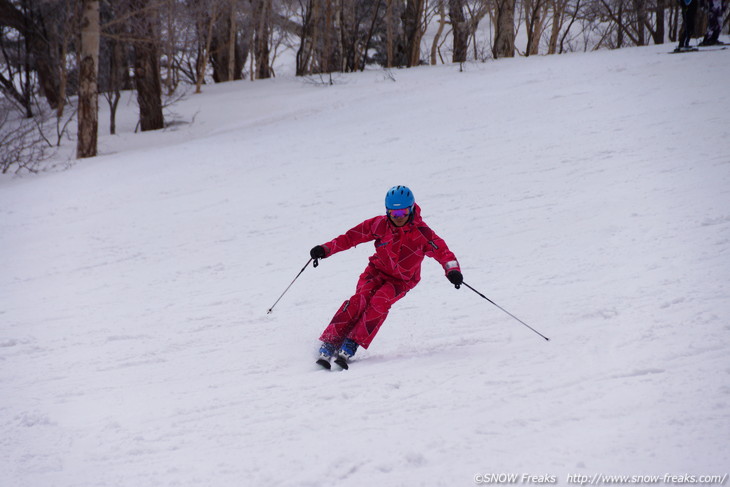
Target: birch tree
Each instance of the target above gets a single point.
(536, 15)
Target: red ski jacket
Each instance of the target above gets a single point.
(399, 251)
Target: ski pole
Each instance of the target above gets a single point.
(316, 263)
(513, 316)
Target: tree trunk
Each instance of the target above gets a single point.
(370, 35)
(658, 34)
(113, 64)
(437, 37)
(460, 29)
(38, 45)
(261, 39)
(88, 114)
(226, 56)
(147, 69)
(170, 47)
(205, 54)
(306, 48)
(328, 32)
(233, 73)
(674, 18)
(641, 21)
(535, 15)
(620, 26)
(504, 36)
(558, 21)
(347, 36)
(412, 17)
(389, 34)
(576, 10)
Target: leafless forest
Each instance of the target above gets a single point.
(58, 56)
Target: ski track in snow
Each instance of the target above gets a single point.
(587, 194)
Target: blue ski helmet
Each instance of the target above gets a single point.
(399, 197)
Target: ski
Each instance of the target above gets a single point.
(342, 362)
(324, 363)
(327, 353)
(698, 49)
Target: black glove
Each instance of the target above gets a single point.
(456, 278)
(317, 252)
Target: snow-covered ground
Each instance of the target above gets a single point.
(588, 194)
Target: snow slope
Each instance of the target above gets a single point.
(588, 194)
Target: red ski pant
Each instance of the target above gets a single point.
(359, 318)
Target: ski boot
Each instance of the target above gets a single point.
(347, 350)
(326, 351)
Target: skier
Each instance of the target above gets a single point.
(714, 23)
(402, 239)
(689, 12)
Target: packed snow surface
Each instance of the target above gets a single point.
(587, 194)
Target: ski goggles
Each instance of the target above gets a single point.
(400, 213)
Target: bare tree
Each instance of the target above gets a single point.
(147, 78)
(318, 38)
(40, 55)
(503, 19)
(88, 112)
(460, 30)
(306, 46)
(16, 75)
(232, 73)
(22, 145)
(261, 38)
(630, 21)
(658, 32)
(564, 14)
(536, 15)
(61, 27)
(206, 24)
(228, 52)
(336, 35)
(113, 60)
(390, 36)
(573, 16)
(413, 30)
(352, 33)
(442, 22)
